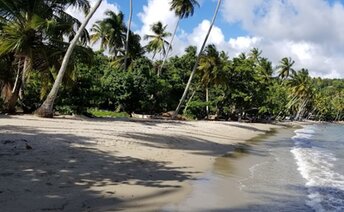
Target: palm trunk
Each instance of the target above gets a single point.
(207, 101)
(46, 109)
(169, 47)
(300, 111)
(11, 100)
(197, 60)
(24, 73)
(127, 38)
(188, 102)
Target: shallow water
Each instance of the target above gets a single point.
(290, 170)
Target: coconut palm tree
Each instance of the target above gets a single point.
(118, 30)
(197, 61)
(26, 29)
(209, 66)
(157, 41)
(285, 68)
(301, 89)
(46, 109)
(255, 54)
(182, 9)
(128, 34)
(101, 32)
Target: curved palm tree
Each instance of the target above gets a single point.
(182, 9)
(157, 41)
(285, 68)
(197, 61)
(301, 91)
(46, 109)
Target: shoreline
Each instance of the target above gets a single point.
(110, 164)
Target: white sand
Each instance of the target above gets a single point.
(107, 164)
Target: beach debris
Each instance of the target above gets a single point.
(28, 147)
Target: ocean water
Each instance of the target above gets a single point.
(289, 170)
(319, 155)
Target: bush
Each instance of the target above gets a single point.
(65, 110)
(1, 105)
(106, 113)
(196, 110)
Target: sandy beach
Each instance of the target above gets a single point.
(80, 164)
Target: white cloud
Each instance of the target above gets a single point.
(98, 15)
(159, 10)
(243, 44)
(198, 34)
(309, 31)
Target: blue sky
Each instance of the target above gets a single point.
(205, 11)
(311, 32)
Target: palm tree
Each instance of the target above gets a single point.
(157, 41)
(197, 60)
(285, 68)
(209, 66)
(46, 109)
(182, 9)
(27, 27)
(117, 34)
(101, 32)
(135, 50)
(255, 54)
(128, 34)
(301, 91)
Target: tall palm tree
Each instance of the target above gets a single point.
(128, 34)
(157, 41)
(111, 32)
(285, 68)
(46, 109)
(182, 9)
(117, 34)
(209, 66)
(197, 61)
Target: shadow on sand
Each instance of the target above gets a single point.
(58, 175)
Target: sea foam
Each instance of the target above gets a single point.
(325, 186)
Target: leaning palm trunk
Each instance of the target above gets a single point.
(189, 101)
(196, 63)
(46, 109)
(301, 110)
(127, 36)
(169, 47)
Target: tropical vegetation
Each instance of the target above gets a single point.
(118, 79)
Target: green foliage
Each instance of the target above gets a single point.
(133, 90)
(196, 110)
(65, 109)
(106, 113)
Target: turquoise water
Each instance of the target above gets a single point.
(290, 170)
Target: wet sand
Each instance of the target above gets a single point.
(260, 175)
(80, 164)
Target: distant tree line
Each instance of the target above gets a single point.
(120, 77)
